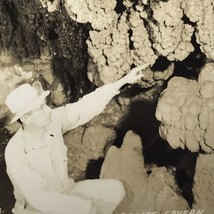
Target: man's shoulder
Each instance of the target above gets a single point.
(15, 143)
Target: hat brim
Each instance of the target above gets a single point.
(30, 107)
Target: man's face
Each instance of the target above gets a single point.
(39, 117)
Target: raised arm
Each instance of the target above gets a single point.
(92, 104)
(130, 78)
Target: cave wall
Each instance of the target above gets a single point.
(28, 32)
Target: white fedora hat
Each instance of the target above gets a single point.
(24, 99)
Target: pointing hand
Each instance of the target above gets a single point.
(135, 74)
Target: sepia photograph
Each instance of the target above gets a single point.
(107, 106)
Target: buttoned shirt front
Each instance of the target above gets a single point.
(39, 172)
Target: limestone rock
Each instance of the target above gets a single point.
(203, 188)
(86, 144)
(144, 193)
(204, 23)
(186, 112)
(171, 37)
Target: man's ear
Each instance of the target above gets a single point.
(24, 119)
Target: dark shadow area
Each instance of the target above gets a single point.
(120, 7)
(62, 69)
(7, 199)
(52, 35)
(161, 64)
(191, 66)
(141, 119)
(185, 170)
(156, 151)
(93, 168)
(73, 79)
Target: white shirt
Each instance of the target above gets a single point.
(39, 172)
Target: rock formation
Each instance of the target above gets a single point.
(171, 36)
(203, 188)
(204, 23)
(142, 32)
(186, 111)
(85, 144)
(143, 192)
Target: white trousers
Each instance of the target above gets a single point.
(105, 195)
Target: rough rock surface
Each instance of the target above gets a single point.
(109, 50)
(172, 38)
(100, 14)
(144, 193)
(202, 16)
(85, 144)
(186, 112)
(119, 34)
(142, 31)
(203, 188)
(29, 31)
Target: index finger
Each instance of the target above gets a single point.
(141, 67)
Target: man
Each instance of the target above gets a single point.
(36, 156)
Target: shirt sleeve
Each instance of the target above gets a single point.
(33, 188)
(75, 114)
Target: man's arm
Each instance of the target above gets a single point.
(130, 78)
(92, 104)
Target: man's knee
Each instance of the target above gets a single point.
(118, 188)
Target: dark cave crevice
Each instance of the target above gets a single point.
(131, 43)
(161, 64)
(120, 7)
(74, 80)
(12, 13)
(191, 66)
(52, 35)
(94, 168)
(186, 20)
(185, 171)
